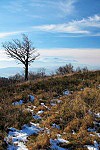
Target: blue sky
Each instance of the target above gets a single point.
(53, 24)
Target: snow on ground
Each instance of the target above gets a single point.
(97, 115)
(36, 117)
(96, 123)
(54, 102)
(94, 131)
(59, 101)
(29, 110)
(31, 98)
(20, 102)
(47, 130)
(66, 92)
(45, 106)
(55, 126)
(96, 146)
(31, 129)
(55, 143)
(91, 129)
(40, 112)
(17, 146)
(16, 138)
(62, 140)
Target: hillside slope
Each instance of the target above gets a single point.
(56, 113)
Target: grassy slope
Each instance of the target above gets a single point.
(71, 114)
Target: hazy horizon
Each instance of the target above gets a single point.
(52, 59)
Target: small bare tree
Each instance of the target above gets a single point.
(23, 51)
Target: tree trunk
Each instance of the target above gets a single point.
(26, 71)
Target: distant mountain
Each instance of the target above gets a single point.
(10, 71)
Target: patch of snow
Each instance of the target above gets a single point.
(91, 147)
(45, 106)
(94, 131)
(96, 146)
(64, 133)
(31, 107)
(30, 129)
(82, 89)
(55, 143)
(31, 98)
(17, 146)
(92, 135)
(55, 126)
(12, 129)
(34, 107)
(97, 115)
(66, 92)
(16, 138)
(35, 124)
(91, 130)
(18, 103)
(29, 110)
(58, 135)
(73, 132)
(62, 140)
(98, 134)
(59, 101)
(99, 86)
(52, 104)
(90, 112)
(47, 130)
(36, 117)
(40, 112)
(96, 123)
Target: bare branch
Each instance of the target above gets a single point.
(22, 51)
(31, 60)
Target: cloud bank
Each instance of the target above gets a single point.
(87, 56)
(83, 27)
(6, 34)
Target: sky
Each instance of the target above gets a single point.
(68, 28)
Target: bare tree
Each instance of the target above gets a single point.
(65, 69)
(23, 51)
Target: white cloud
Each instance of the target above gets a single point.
(62, 28)
(55, 8)
(6, 34)
(93, 21)
(15, 6)
(67, 6)
(63, 7)
(83, 55)
(83, 27)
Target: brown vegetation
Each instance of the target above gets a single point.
(72, 114)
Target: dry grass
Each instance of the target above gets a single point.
(72, 114)
(41, 142)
